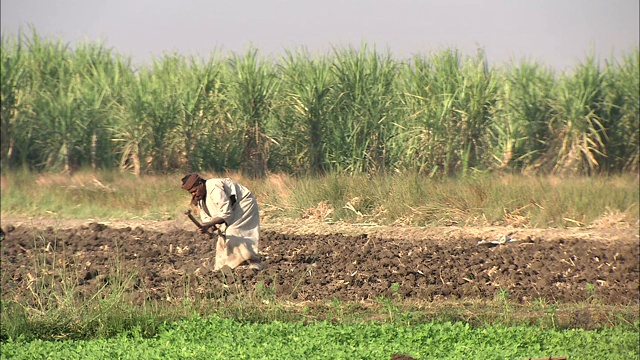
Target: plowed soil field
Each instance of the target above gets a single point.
(171, 260)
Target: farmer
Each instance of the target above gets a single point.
(224, 202)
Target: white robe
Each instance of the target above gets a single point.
(242, 219)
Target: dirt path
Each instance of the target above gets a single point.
(617, 232)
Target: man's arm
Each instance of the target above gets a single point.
(215, 221)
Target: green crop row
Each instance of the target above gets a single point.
(352, 110)
(219, 338)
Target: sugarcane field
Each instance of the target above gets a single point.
(346, 205)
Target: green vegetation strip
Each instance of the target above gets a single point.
(222, 338)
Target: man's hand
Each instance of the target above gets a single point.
(206, 226)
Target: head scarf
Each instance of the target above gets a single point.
(191, 180)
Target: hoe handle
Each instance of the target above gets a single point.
(195, 221)
(193, 218)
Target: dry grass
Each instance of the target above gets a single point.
(402, 200)
(320, 212)
(614, 219)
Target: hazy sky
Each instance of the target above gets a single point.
(559, 33)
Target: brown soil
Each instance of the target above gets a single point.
(320, 261)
